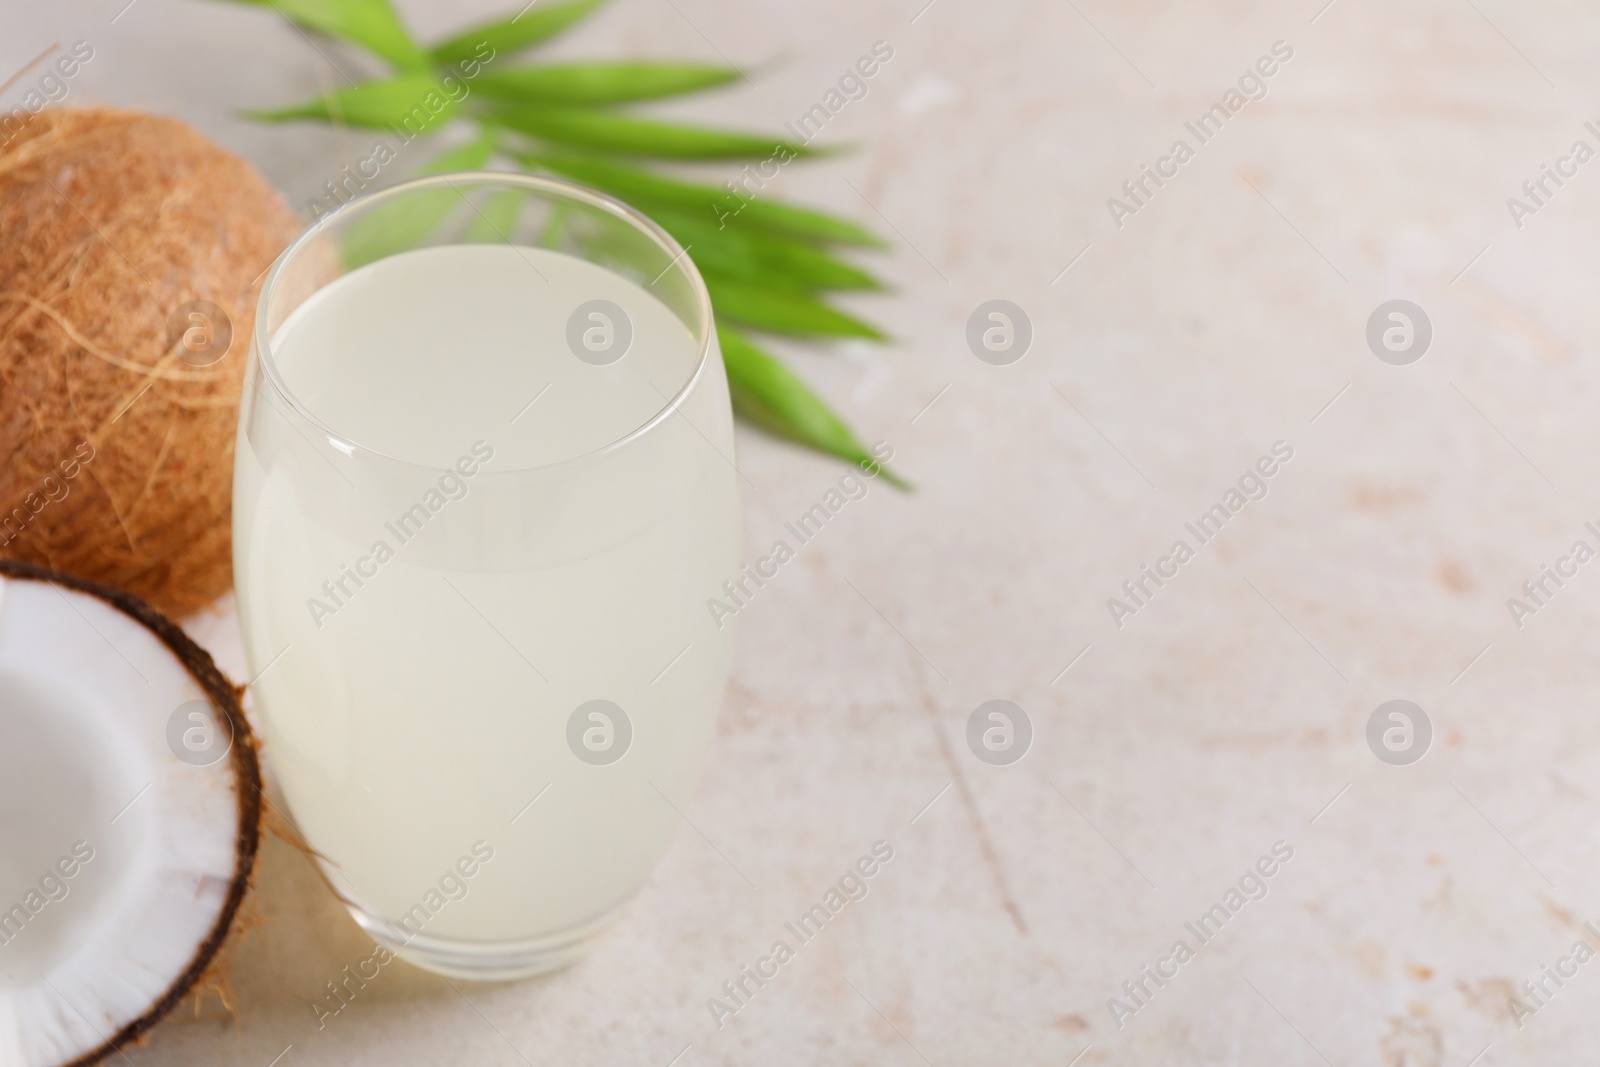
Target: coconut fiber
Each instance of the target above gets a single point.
(117, 403)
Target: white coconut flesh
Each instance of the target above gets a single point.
(118, 859)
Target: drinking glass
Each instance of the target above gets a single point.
(484, 492)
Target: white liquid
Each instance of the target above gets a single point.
(408, 719)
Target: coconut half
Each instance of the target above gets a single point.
(130, 815)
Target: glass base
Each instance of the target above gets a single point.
(488, 961)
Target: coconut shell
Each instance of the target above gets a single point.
(244, 756)
(116, 418)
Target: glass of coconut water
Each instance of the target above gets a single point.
(484, 487)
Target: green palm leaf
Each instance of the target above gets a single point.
(372, 24)
(601, 83)
(416, 102)
(533, 25)
(785, 312)
(769, 395)
(782, 261)
(612, 132)
(648, 190)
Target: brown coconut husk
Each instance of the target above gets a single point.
(109, 221)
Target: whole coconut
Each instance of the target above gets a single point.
(131, 253)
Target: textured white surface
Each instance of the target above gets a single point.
(1222, 317)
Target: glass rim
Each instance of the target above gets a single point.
(558, 187)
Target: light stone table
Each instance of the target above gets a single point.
(1175, 340)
